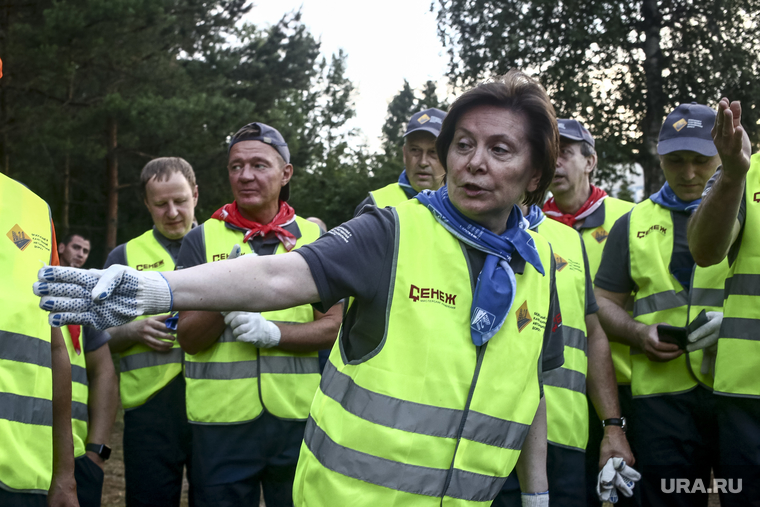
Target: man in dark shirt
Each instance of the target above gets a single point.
(156, 432)
(422, 169)
(673, 422)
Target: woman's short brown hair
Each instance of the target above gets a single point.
(162, 169)
(517, 92)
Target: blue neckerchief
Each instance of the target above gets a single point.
(406, 186)
(534, 218)
(496, 286)
(681, 264)
(668, 199)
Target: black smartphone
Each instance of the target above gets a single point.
(680, 335)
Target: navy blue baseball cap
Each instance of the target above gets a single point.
(429, 120)
(260, 132)
(688, 127)
(269, 135)
(573, 130)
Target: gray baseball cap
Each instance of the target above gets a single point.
(429, 120)
(573, 130)
(269, 135)
(688, 127)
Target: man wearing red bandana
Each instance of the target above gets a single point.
(588, 209)
(251, 376)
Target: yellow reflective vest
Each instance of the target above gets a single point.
(736, 366)
(79, 389)
(389, 195)
(143, 371)
(661, 298)
(26, 382)
(565, 387)
(427, 419)
(594, 241)
(234, 382)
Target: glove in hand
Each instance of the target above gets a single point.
(252, 328)
(101, 298)
(535, 499)
(616, 477)
(706, 335)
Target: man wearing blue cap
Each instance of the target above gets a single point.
(251, 376)
(726, 226)
(677, 310)
(422, 169)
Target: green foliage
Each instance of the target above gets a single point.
(618, 66)
(175, 78)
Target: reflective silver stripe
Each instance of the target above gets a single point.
(416, 417)
(395, 475)
(743, 285)
(494, 431)
(78, 374)
(149, 358)
(289, 364)
(707, 297)
(741, 329)
(658, 302)
(26, 409)
(221, 371)
(574, 338)
(24, 349)
(566, 379)
(79, 411)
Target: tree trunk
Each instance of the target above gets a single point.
(653, 62)
(66, 192)
(112, 163)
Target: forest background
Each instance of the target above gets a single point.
(93, 89)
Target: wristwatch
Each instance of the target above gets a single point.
(616, 421)
(100, 449)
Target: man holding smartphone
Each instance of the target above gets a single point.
(647, 254)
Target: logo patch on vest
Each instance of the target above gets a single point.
(482, 320)
(756, 197)
(523, 316)
(661, 229)
(560, 262)
(600, 235)
(19, 237)
(428, 294)
(143, 267)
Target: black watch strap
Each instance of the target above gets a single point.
(100, 449)
(615, 421)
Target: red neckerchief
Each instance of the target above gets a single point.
(75, 332)
(230, 213)
(592, 203)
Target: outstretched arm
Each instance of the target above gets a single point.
(714, 226)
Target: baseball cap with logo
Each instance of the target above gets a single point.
(573, 130)
(688, 127)
(269, 135)
(429, 120)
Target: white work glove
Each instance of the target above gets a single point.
(616, 476)
(101, 298)
(708, 360)
(535, 499)
(252, 328)
(707, 334)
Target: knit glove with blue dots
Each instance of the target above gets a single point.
(101, 298)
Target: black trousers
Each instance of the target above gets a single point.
(739, 450)
(565, 470)
(157, 446)
(8, 499)
(595, 434)
(89, 477)
(676, 438)
(233, 463)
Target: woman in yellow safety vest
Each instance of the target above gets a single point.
(432, 394)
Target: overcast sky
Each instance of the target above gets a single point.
(386, 42)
